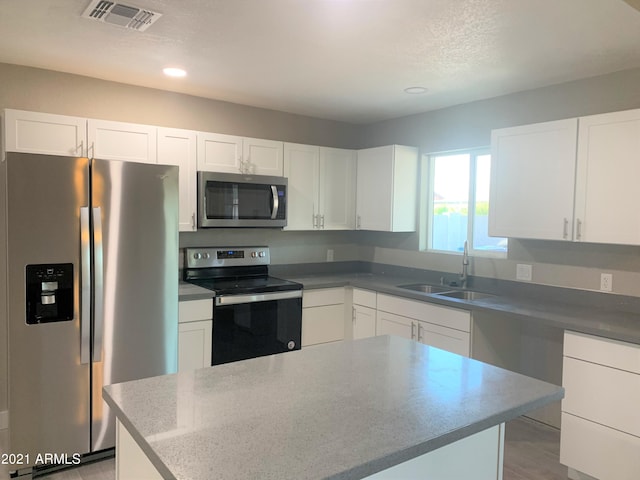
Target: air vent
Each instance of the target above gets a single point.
(127, 16)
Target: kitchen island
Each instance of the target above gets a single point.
(384, 407)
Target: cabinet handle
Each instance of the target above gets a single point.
(565, 231)
(413, 331)
(357, 222)
(578, 229)
(322, 221)
(353, 314)
(419, 332)
(193, 220)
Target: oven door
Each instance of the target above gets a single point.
(254, 325)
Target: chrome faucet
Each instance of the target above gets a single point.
(464, 276)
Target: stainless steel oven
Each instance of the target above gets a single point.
(254, 314)
(238, 200)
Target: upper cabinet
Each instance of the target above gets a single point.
(228, 153)
(608, 174)
(532, 177)
(387, 186)
(321, 190)
(178, 147)
(44, 133)
(129, 142)
(568, 180)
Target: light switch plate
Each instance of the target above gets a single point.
(524, 272)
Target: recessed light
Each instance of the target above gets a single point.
(174, 72)
(415, 90)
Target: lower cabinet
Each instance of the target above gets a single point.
(323, 316)
(440, 327)
(363, 313)
(600, 433)
(194, 334)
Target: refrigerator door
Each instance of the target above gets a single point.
(48, 383)
(135, 221)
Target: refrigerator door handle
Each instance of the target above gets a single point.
(98, 268)
(85, 286)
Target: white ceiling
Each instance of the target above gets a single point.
(346, 60)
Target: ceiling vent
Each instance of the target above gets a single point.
(127, 16)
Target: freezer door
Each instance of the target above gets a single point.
(48, 383)
(135, 220)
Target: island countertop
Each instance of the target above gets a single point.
(341, 411)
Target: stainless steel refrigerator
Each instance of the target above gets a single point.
(92, 287)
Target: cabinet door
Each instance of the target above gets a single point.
(129, 142)
(608, 174)
(391, 324)
(532, 180)
(322, 324)
(219, 153)
(301, 163)
(178, 147)
(337, 189)
(374, 190)
(448, 339)
(262, 157)
(44, 133)
(364, 322)
(194, 345)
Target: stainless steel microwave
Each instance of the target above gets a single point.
(239, 200)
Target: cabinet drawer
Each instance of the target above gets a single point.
(444, 338)
(366, 298)
(598, 451)
(324, 296)
(604, 351)
(444, 316)
(194, 310)
(602, 394)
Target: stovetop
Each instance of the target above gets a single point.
(243, 285)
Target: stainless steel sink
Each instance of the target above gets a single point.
(465, 295)
(425, 288)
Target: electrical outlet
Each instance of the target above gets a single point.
(330, 255)
(606, 282)
(524, 272)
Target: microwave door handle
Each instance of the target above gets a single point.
(276, 202)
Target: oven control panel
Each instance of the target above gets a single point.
(207, 257)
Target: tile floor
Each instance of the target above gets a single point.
(531, 453)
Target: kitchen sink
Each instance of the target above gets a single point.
(465, 294)
(425, 288)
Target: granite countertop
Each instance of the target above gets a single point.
(340, 411)
(606, 315)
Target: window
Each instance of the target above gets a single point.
(456, 192)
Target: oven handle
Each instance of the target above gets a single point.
(276, 202)
(257, 297)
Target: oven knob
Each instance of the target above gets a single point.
(206, 256)
(197, 256)
(291, 345)
(262, 254)
(254, 254)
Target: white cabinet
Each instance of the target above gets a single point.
(600, 434)
(178, 147)
(571, 179)
(44, 133)
(321, 191)
(129, 142)
(363, 313)
(608, 174)
(323, 316)
(228, 153)
(387, 186)
(194, 334)
(532, 180)
(441, 327)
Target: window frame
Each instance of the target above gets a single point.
(427, 173)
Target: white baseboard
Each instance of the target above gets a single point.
(4, 419)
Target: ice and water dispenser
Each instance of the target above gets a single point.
(49, 289)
